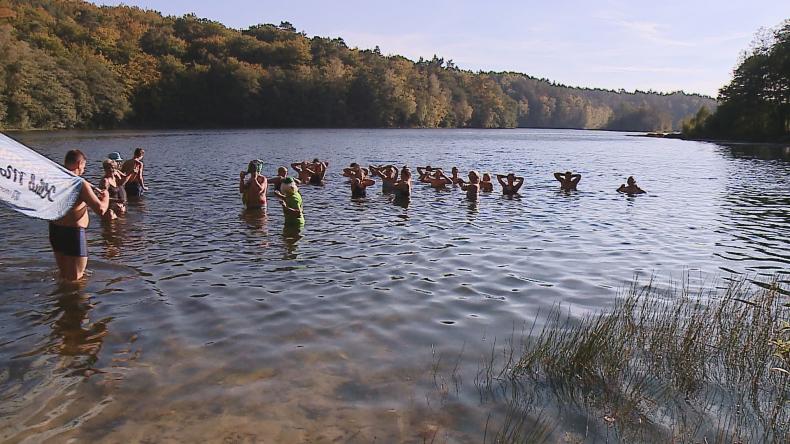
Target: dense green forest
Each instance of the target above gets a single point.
(756, 103)
(72, 64)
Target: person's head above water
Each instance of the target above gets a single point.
(75, 161)
(282, 171)
(486, 177)
(631, 181)
(405, 173)
(255, 166)
(474, 177)
(139, 153)
(568, 174)
(454, 170)
(109, 165)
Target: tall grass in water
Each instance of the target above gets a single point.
(662, 366)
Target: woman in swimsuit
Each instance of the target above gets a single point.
(402, 187)
(115, 190)
(485, 185)
(513, 184)
(319, 171)
(454, 176)
(568, 181)
(359, 184)
(253, 191)
(388, 175)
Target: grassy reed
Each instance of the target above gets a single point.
(664, 365)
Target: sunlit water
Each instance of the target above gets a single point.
(200, 322)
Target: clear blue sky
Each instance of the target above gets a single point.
(663, 45)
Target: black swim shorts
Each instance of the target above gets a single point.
(68, 241)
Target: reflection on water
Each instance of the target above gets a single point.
(204, 322)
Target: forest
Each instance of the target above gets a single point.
(72, 64)
(755, 105)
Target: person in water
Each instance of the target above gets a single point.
(253, 190)
(291, 202)
(277, 180)
(402, 187)
(303, 170)
(568, 181)
(512, 185)
(133, 168)
(114, 186)
(388, 175)
(486, 185)
(454, 176)
(350, 172)
(360, 183)
(67, 234)
(438, 180)
(631, 188)
(424, 172)
(319, 171)
(473, 187)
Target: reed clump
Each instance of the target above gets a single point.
(664, 365)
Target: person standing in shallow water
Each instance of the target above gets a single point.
(359, 184)
(568, 181)
(67, 234)
(631, 188)
(485, 185)
(253, 191)
(291, 202)
(133, 168)
(473, 187)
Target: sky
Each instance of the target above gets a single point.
(664, 45)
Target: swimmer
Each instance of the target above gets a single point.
(277, 180)
(67, 234)
(114, 187)
(350, 172)
(291, 202)
(438, 180)
(568, 181)
(631, 188)
(454, 176)
(513, 184)
(360, 183)
(402, 187)
(485, 185)
(319, 171)
(424, 172)
(135, 185)
(388, 175)
(253, 191)
(303, 170)
(473, 187)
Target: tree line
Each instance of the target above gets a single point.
(755, 105)
(72, 64)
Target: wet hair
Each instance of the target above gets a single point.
(73, 157)
(255, 166)
(138, 152)
(109, 164)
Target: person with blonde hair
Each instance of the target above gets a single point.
(291, 202)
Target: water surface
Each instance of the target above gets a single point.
(200, 321)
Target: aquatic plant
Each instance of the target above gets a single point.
(671, 364)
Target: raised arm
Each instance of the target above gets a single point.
(501, 179)
(297, 166)
(98, 204)
(242, 185)
(517, 183)
(575, 178)
(559, 176)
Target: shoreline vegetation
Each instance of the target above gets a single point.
(72, 64)
(674, 364)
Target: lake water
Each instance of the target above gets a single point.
(200, 322)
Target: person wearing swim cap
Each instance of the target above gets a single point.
(253, 190)
(291, 202)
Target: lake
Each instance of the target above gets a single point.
(201, 322)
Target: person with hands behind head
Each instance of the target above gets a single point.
(513, 184)
(67, 234)
(568, 181)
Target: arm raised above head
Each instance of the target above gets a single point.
(501, 179)
(559, 176)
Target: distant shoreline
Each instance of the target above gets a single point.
(680, 136)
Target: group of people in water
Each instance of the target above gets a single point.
(123, 180)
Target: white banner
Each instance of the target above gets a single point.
(34, 185)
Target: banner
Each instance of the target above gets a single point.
(34, 185)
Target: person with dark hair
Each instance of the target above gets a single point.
(512, 185)
(454, 177)
(473, 187)
(388, 175)
(631, 188)
(304, 171)
(67, 234)
(359, 184)
(253, 191)
(568, 181)
(485, 184)
(437, 179)
(319, 171)
(133, 168)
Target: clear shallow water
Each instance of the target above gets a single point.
(202, 322)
